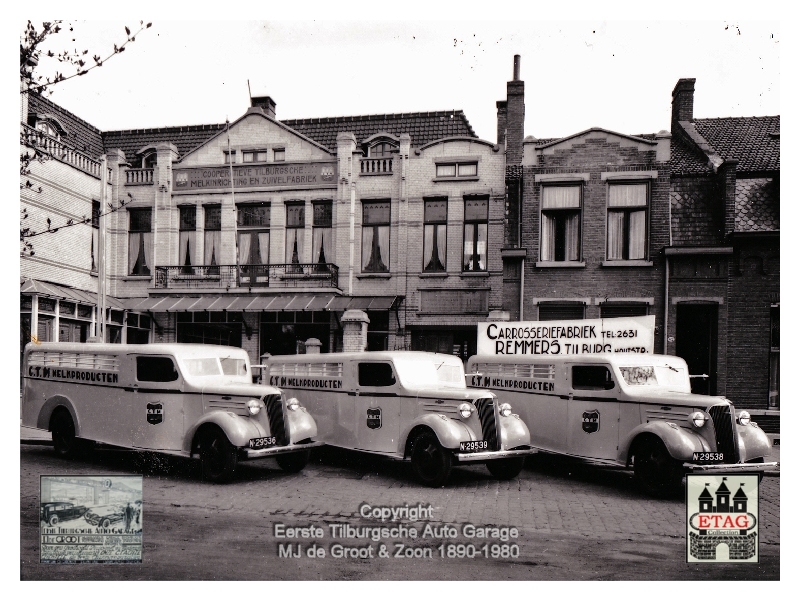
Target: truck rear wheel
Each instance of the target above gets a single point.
(64, 441)
(506, 468)
(294, 462)
(217, 456)
(431, 462)
(655, 470)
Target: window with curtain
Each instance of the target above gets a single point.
(95, 233)
(627, 221)
(561, 223)
(252, 224)
(140, 241)
(476, 231)
(186, 228)
(322, 235)
(434, 243)
(295, 234)
(212, 237)
(375, 226)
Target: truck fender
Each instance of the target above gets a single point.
(449, 431)
(680, 442)
(753, 442)
(238, 429)
(301, 425)
(513, 432)
(52, 403)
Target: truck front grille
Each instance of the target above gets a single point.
(277, 422)
(725, 432)
(488, 419)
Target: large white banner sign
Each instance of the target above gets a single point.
(588, 336)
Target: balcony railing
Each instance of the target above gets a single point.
(292, 275)
(139, 177)
(59, 150)
(375, 166)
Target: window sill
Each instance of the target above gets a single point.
(560, 264)
(626, 263)
(441, 179)
(439, 274)
(137, 278)
(373, 275)
(382, 173)
(474, 274)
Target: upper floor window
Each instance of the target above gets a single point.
(295, 232)
(561, 223)
(95, 233)
(279, 154)
(457, 169)
(212, 234)
(627, 221)
(250, 156)
(140, 241)
(375, 236)
(186, 228)
(252, 223)
(47, 128)
(230, 156)
(434, 243)
(476, 233)
(322, 240)
(150, 160)
(381, 149)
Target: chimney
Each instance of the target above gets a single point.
(515, 116)
(683, 101)
(265, 103)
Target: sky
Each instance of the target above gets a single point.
(599, 72)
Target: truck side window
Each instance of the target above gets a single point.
(592, 378)
(375, 374)
(155, 368)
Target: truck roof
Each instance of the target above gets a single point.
(342, 356)
(616, 359)
(103, 348)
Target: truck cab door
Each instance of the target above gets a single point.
(156, 405)
(377, 407)
(593, 419)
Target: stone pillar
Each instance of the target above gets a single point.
(116, 238)
(663, 138)
(165, 215)
(344, 212)
(354, 330)
(313, 346)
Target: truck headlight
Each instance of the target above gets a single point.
(465, 410)
(505, 409)
(292, 404)
(698, 419)
(743, 418)
(253, 407)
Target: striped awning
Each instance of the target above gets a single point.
(268, 303)
(62, 292)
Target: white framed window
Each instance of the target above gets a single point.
(278, 154)
(252, 156)
(140, 241)
(560, 239)
(230, 156)
(456, 170)
(375, 229)
(627, 221)
(434, 243)
(476, 233)
(295, 232)
(186, 231)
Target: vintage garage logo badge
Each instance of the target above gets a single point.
(722, 518)
(155, 413)
(374, 418)
(591, 421)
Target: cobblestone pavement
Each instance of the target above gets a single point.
(575, 521)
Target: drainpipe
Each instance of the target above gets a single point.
(666, 299)
(352, 225)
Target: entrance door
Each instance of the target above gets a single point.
(696, 343)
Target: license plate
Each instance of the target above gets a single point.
(474, 446)
(264, 442)
(708, 457)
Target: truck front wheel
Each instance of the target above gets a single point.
(217, 456)
(294, 462)
(431, 462)
(656, 471)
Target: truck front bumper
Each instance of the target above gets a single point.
(247, 453)
(484, 456)
(726, 468)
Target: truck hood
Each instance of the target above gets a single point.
(653, 395)
(454, 394)
(252, 390)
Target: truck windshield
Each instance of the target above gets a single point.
(661, 375)
(427, 372)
